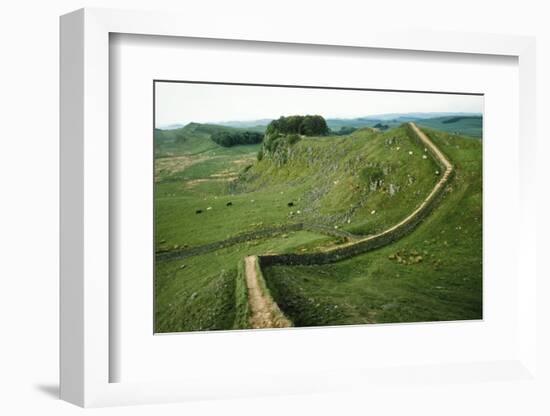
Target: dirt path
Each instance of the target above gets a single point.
(264, 313)
(432, 146)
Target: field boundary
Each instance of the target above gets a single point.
(250, 236)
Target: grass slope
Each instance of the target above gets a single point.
(433, 274)
(362, 183)
(193, 139)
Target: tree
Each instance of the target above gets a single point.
(345, 130)
(232, 138)
(313, 126)
(309, 125)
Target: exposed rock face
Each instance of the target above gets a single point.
(393, 189)
(376, 184)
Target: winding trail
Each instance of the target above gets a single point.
(264, 312)
(425, 139)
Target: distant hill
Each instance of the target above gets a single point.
(465, 125)
(468, 124)
(194, 138)
(416, 116)
(336, 124)
(356, 121)
(252, 125)
(192, 129)
(247, 124)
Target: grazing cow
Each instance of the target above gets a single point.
(290, 204)
(229, 204)
(199, 211)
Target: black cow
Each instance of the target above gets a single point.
(199, 211)
(229, 204)
(290, 204)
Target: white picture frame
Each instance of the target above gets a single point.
(85, 163)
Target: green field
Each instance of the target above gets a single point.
(362, 183)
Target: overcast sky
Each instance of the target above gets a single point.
(183, 103)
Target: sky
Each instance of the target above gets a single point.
(181, 103)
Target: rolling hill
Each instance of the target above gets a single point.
(434, 273)
(462, 125)
(467, 124)
(360, 183)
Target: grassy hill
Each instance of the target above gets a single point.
(340, 181)
(363, 183)
(193, 139)
(435, 273)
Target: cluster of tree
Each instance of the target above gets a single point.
(344, 131)
(381, 126)
(303, 125)
(274, 141)
(232, 138)
(455, 119)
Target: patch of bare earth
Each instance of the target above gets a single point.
(213, 178)
(243, 161)
(224, 174)
(175, 164)
(264, 311)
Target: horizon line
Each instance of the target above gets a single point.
(450, 113)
